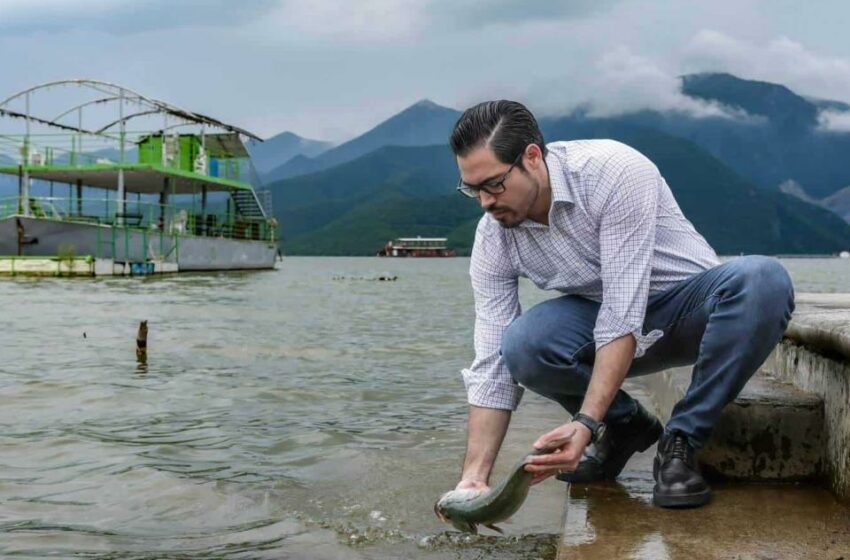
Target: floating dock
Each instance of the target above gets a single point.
(81, 266)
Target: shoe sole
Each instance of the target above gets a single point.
(682, 501)
(641, 444)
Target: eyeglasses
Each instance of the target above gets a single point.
(493, 186)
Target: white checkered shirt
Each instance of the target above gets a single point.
(615, 235)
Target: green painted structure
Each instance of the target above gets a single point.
(154, 188)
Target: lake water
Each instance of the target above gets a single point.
(306, 412)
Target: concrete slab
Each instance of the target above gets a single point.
(104, 267)
(46, 266)
(822, 322)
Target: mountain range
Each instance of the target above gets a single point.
(421, 124)
(352, 209)
(726, 174)
(281, 148)
(767, 177)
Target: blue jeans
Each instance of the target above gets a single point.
(725, 321)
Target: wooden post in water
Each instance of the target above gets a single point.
(142, 343)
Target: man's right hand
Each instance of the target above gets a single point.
(471, 488)
(472, 485)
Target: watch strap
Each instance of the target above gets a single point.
(591, 424)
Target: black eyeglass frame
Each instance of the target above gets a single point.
(498, 187)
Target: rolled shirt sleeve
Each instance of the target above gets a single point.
(494, 283)
(627, 243)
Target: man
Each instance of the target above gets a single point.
(642, 292)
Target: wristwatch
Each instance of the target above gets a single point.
(597, 429)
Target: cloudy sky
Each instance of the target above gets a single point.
(331, 69)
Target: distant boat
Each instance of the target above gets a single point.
(417, 247)
(844, 254)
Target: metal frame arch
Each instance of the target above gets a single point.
(86, 104)
(81, 82)
(103, 129)
(119, 91)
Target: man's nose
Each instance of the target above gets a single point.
(486, 199)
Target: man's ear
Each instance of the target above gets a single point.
(533, 154)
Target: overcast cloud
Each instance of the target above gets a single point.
(331, 69)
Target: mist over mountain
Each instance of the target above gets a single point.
(788, 138)
(786, 111)
(725, 170)
(768, 134)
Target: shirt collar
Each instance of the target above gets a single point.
(558, 179)
(557, 184)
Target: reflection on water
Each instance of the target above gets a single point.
(617, 520)
(278, 414)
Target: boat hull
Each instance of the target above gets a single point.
(46, 237)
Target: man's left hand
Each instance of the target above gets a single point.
(568, 441)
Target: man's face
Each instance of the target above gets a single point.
(510, 208)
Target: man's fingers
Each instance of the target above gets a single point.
(554, 439)
(549, 468)
(538, 478)
(555, 459)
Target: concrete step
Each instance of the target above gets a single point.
(771, 432)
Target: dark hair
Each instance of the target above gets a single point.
(506, 126)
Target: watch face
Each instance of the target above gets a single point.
(600, 431)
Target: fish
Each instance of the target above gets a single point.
(466, 509)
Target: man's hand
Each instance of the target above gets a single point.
(609, 369)
(472, 485)
(470, 488)
(569, 442)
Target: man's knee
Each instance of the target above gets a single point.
(534, 357)
(765, 278)
(766, 285)
(520, 351)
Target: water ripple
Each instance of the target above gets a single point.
(276, 412)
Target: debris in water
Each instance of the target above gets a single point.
(377, 516)
(541, 545)
(379, 278)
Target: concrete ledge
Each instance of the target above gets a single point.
(771, 432)
(815, 357)
(772, 435)
(822, 323)
(829, 379)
